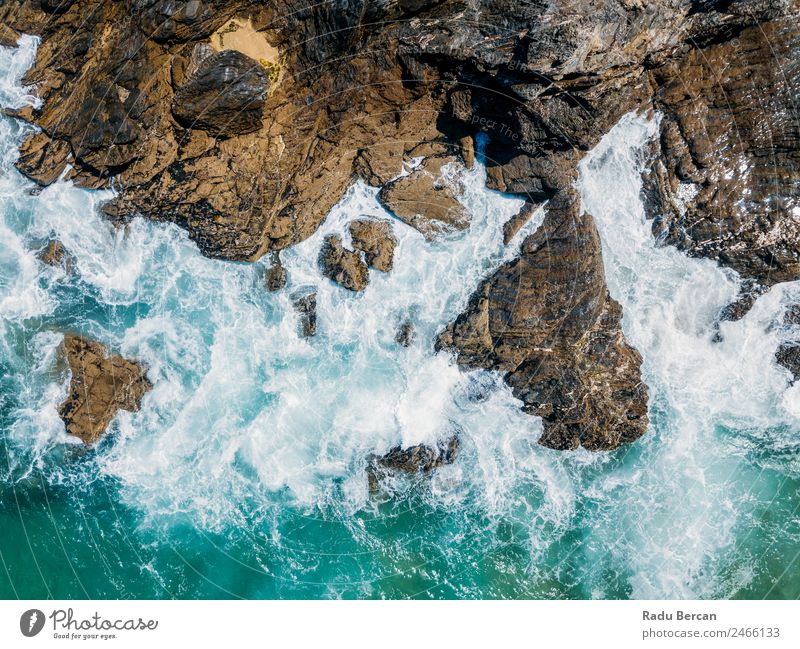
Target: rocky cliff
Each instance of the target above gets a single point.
(249, 147)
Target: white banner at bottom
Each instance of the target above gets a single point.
(385, 625)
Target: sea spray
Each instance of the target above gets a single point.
(244, 472)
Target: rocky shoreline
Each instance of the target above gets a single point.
(250, 155)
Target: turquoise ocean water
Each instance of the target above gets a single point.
(244, 473)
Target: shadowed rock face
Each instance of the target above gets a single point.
(547, 321)
(224, 96)
(101, 385)
(419, 458)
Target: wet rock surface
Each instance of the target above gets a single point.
(376, 240)
(725, 180)
(306, 307)
(275, 275)
(101, 385)
(343, 266)
(547, 321)
(365, 87)
(225, 95)
(426, 199)
(419, 458)
(53, 254)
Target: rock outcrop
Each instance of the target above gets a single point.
(420, 458)
(100, 386)
(53, 254)
(132, 93)
(725, 178)
(547, 321)
(225, 95)
(343, 266)
(306, 307)
(375, 239)
(426, 199)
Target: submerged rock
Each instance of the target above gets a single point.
(546, 320)
(224, 96)
(343, 266)
(306, 306)
(375, 239)
(426, 200)
(101, 385)
(405, 334)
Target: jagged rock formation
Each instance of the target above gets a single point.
(725, 180)
(53, 254)
(546, 320)
(343, 266)
(375, 239)
(101, 385)
(360, 89)
(420, 458)
(306, 307)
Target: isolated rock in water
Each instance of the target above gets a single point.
(343, 266)
(53, 254)
(275, 275)
(420, 458)
(515, 223)
(426, 200)
(42, 159)
(224, 96)
(306, 306)
(546, 320)
(375, 238)
(405, 334)
(101, 385)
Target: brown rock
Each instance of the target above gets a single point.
(725, 183)
(345, 267)
(100, 386)
(53, 254)
(379, 163)
(275, 275)
(42, 159)
(8, 36)
(376, 240)
(466, 146)
(547, 321)
(426, 200)
(515, 223)
(420, 458)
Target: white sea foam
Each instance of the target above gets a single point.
(244, 410)
(677, 509)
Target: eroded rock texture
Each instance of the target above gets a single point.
(249, 163)
(101, 385)
(547, 321)
(725, 182)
